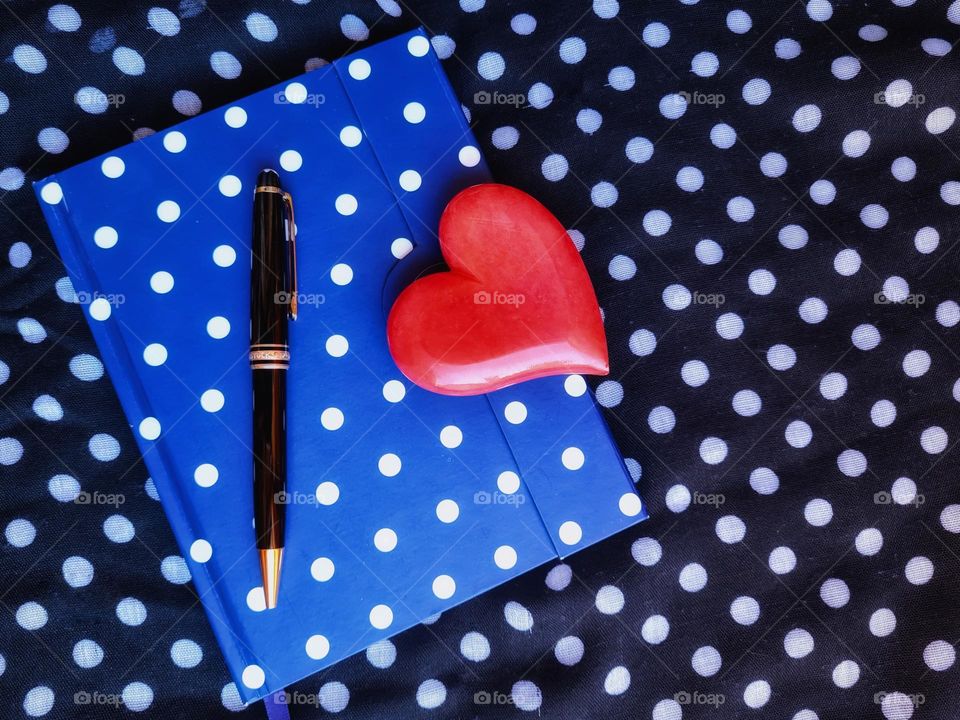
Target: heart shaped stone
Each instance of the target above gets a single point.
(516, 304)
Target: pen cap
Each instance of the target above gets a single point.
(269, 290)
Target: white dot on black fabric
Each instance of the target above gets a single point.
(745, 610)
(569, 650)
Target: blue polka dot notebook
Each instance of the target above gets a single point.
(402, 503)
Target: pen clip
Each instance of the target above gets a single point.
(291, 256)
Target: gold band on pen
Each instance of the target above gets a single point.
(269, 355)
(268, 188)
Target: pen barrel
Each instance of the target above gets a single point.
(269, 455)
(269, 358)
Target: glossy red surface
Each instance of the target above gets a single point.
(516, 305)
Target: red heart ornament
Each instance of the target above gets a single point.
(517, 303)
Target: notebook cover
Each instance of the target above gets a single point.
(401, 503)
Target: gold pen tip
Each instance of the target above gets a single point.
(270, 563)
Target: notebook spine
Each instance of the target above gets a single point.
(133, 398)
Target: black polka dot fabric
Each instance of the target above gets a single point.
(766, 197)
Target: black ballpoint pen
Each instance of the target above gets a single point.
(273, 298)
